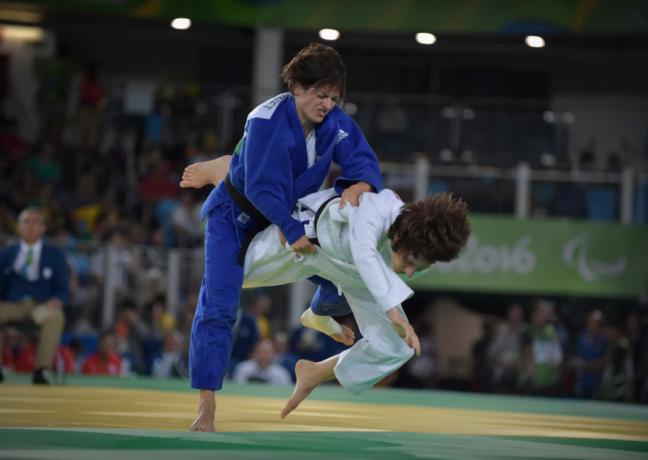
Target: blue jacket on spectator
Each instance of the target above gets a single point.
(52, 276)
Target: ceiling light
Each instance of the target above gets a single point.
(425, 38)
(181, 23)
(329, 34)
(22, 33)
(534, 41)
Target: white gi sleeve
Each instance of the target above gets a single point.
(368, 224)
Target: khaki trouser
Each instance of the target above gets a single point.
(49, 320)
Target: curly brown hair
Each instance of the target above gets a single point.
(316, 65)
(435, 229)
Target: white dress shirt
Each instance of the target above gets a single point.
(32, 270)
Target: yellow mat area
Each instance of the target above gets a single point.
(93, 407)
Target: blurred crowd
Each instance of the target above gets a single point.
(536, 349)
(544, 348)
(95, 171)
(582, 354)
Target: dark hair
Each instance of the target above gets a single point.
(435, 229)
(316, 65)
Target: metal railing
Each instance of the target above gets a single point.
(525, 192)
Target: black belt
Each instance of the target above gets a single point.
(319, 212)
(260, 221)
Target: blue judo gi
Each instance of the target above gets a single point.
(270, 169)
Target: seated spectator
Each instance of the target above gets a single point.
(245, 335)
(132, 333)
(105, 361)
(171, 362)
(618, 375)
(116, 260)
(260, 309)
(637, 335)
(162, 325)
(185, 221)
(542, 355)
(592, 348)
(284, 356)
(86, 206)
(261, 368)
(482, 366)
(34, 288)
(505, 350)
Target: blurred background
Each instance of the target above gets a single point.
(535, 112)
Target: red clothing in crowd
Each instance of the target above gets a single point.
(26, 359)
(157, 186)
(94, 365)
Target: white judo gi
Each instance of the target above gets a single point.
(354, 254)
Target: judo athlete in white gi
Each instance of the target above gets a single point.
(361, 250)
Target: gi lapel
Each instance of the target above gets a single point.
(326, 138)
(300, 157)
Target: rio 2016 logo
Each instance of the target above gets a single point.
(516, 257)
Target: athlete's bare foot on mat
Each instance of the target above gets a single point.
(206, 412)
(203, 423)
(305, 372)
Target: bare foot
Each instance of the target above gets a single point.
(346, 337)
(306, 381)
(195, 175)
(203, 423)
(206, 412)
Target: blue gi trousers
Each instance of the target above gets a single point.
(220, 291)
(327, 301)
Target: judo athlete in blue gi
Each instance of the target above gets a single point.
(287, 148)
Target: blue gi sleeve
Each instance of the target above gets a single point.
(355, 157)
(268, 175)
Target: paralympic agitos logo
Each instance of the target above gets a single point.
(576, 254)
